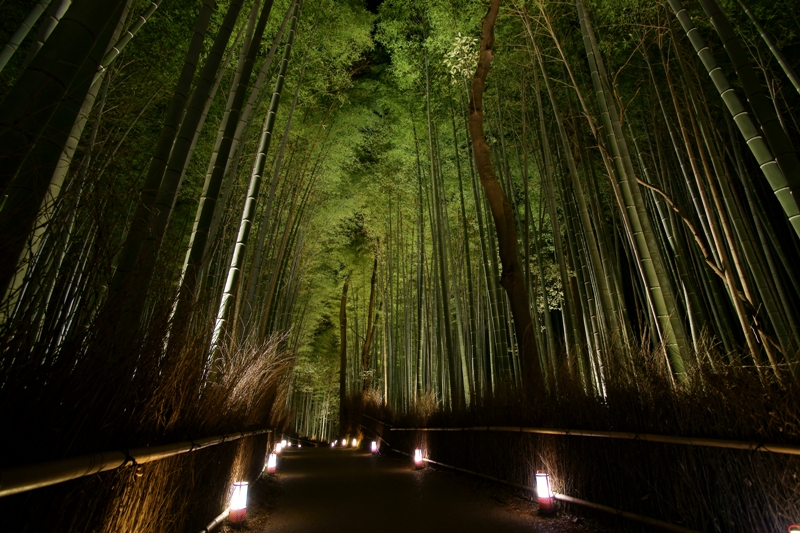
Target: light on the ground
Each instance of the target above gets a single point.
(272, 463)
(418, 462)
(544, 493)
(238, 507)
(355, 443)
(374, 447)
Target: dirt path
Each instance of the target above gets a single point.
(324, 490)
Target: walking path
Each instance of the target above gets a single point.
(331, 490)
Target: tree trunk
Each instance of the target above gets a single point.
(502, 212)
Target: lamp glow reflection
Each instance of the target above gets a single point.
(238, 506)
(374, 447)
(272, 463)
(418, 462)
(544, 493)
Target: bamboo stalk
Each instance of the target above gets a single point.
(25, 478)
(217, 521)
(787, 449)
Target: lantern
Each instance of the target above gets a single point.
(238, 507)
(299, 445)
(283, 443)
(278, 448)
(547, 504)
(418, 462)
(374, 447)
(333, 444)
(272, 463)
(794, 528)
(355, 443)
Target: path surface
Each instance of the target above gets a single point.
(324, 490)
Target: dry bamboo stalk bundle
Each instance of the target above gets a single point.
(648, 437)
(25, 478)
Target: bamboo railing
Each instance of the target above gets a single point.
(647, 437)
(25, 478)
(668, 526)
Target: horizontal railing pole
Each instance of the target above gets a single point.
(25, 478)
(563, 497)
(216, 522)
(646, 437)
(376, 420)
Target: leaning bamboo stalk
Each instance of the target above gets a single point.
(25, 478)
(787, 449)
(13, 43)
(780, 183)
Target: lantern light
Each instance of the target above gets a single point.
(272, 463)
(333, 444)
(794, 528)
(299, 445)
(418, 462)
(374, 447)
(278, 448)
(355, 443)
(238, 507)
(544, 493)
(283, 443)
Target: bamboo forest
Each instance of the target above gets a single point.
(530, 240)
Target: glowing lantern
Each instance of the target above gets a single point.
(283, 443)
(355, 443)
(374, 447)
(238, 507)
(299, 445)
(547, 502)
(794, 528)
(278, 448)
(272, 463)
(333, 444)
(418, 462)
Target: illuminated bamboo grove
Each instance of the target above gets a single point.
(410, 203)
(652, 202)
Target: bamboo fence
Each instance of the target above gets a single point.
(25, 478)
(647, 437)
(569, 499)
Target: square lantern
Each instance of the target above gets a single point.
(272, 463)
(278, 448)
(547, 502)
(418, 462)
(238, 506)
(374, 447)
